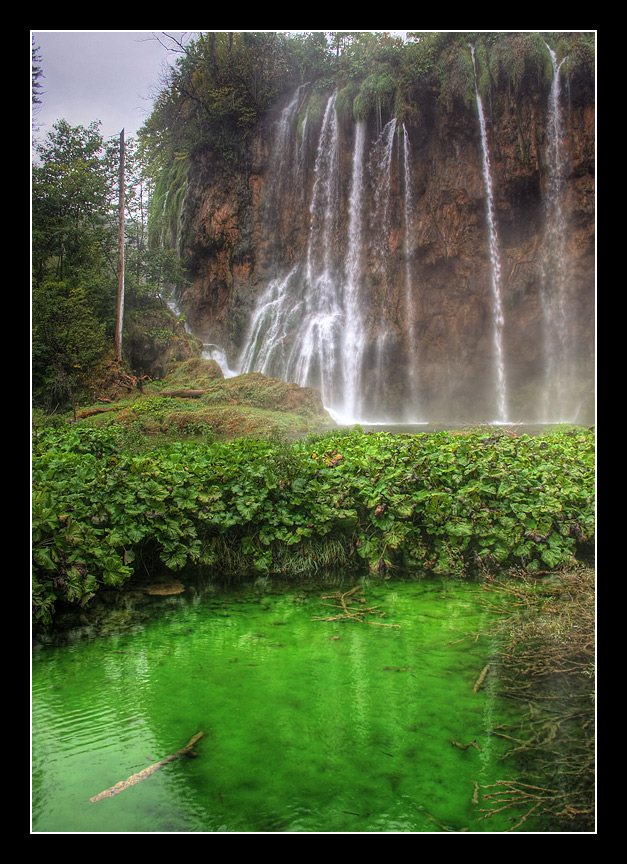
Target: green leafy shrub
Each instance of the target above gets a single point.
(458, 504)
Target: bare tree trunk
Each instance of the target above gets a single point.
(118, 331)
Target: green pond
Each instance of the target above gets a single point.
(309, 725)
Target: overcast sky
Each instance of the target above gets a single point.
(106, 75)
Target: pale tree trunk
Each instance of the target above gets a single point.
(118, 330)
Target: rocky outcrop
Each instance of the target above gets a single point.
(154, 342)
(425, 279)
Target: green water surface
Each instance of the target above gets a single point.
(310, 725)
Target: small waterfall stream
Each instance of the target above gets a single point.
(353, 342)
(210, 350)
(412, 347)
(558, 342)
(381, 169)
(500, 385)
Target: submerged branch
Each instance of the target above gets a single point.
(481, 678)
(357, 614)
(147, 772)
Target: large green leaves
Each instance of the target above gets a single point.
(451, 503)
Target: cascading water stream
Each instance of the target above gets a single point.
(558, 338)
(210, 351)
(353, 342)
(380, 171)
(307, 327)
(494, 259)
(409, 297)
(314, 357)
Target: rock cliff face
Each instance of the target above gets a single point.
(357, 258)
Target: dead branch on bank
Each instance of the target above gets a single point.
(81, 415)
(359, 613)
(188, 750)
(512, 793)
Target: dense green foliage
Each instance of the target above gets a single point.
(74, 254)
(74, 284)
(223, 82)
(449, 503)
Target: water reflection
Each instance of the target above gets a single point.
(310, 725)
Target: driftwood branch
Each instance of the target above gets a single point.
(91, 412)
(147, 772)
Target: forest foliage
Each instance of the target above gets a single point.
(74, 259)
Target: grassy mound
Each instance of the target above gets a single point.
(195, 400)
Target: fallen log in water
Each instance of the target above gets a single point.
(147, 772)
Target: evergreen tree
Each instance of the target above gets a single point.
(36, 85)
(73, 256)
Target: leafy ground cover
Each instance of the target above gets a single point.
(453, 503)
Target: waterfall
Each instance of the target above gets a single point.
(494, 259)
(315, 357)
(314, 324)
(210, 351)
(265, 349)
(412, 352)
(354, 284)
(296, 328)
(558, 338)
(380, 175)
(353, 342)
(381, 167)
